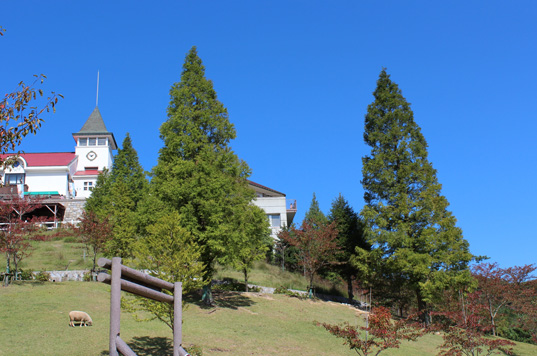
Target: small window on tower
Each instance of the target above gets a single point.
(83, 141)
(101, 141)
(92, 141)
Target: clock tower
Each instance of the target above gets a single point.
(94, 145)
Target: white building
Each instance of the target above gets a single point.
(279, 210)
(65, 178)
(94, 145)
(64, 175)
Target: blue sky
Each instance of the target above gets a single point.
(296, 78)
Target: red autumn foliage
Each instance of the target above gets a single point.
(381, 334)
(464, 324)
(18, 229)
(95, 233)
(317, 246)
(506, 289)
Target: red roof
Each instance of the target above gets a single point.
(45, 159)
(88, 172)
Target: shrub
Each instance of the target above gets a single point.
(87, 277)
(26, 275)
(283, 290)
(42, 276)
(194, 350)
(70, 239)
(231, 285)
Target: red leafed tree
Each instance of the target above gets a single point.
(18, 229)
(317, 246)
(95, 233)
(382, 333)
(504, 289)
(465, 323)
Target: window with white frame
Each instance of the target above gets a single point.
(275, 220)
(83, 141)
(101, 141)
(88, 185)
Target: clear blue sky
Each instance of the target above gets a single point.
(296, 78)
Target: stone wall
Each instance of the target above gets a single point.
(63, 276)
(73, 209)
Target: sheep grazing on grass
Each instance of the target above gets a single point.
(79, 316)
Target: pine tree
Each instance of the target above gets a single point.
(407, 215)
(99, 203)
(314, 216)
(198, 175)
(126, 168)
(350, 236)
(116, 197)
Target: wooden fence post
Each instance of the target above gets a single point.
(115, 304)
(139, 283)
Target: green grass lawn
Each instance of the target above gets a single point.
(34, 321)
(63, 254)
(54, 255)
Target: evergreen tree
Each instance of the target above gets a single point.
(116, 196)
(350, 236)
(99, 203)
(314, 216)
(407, 215)
(126, 168)
(197, 174)
(123, 218)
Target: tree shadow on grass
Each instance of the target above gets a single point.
(222, 299)
(148, 346)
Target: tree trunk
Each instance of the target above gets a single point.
(245, 279)
(349, 288)
(422, 310)
(207, 296)
(283, 259)
(492, 319)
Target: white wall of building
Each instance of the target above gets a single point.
(273, 206)
(48, 180)
(93, 156)
(84, 185)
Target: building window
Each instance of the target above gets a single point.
(275, 220)
(92, 141)
(88, 185)
(101, 141)
(14, 179)
(82, 141)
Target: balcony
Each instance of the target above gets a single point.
(291, 210)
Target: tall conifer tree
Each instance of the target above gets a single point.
(350, 235)
(408, 218)
(127, 168)
(116, 197)
(314, 216)
(197, 173)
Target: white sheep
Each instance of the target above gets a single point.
(81, 317)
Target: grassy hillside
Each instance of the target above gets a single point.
(66, 254)
(34, 321)
(55, 254)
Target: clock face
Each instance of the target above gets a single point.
(91, 155)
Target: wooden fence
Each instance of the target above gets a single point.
(138, 283)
